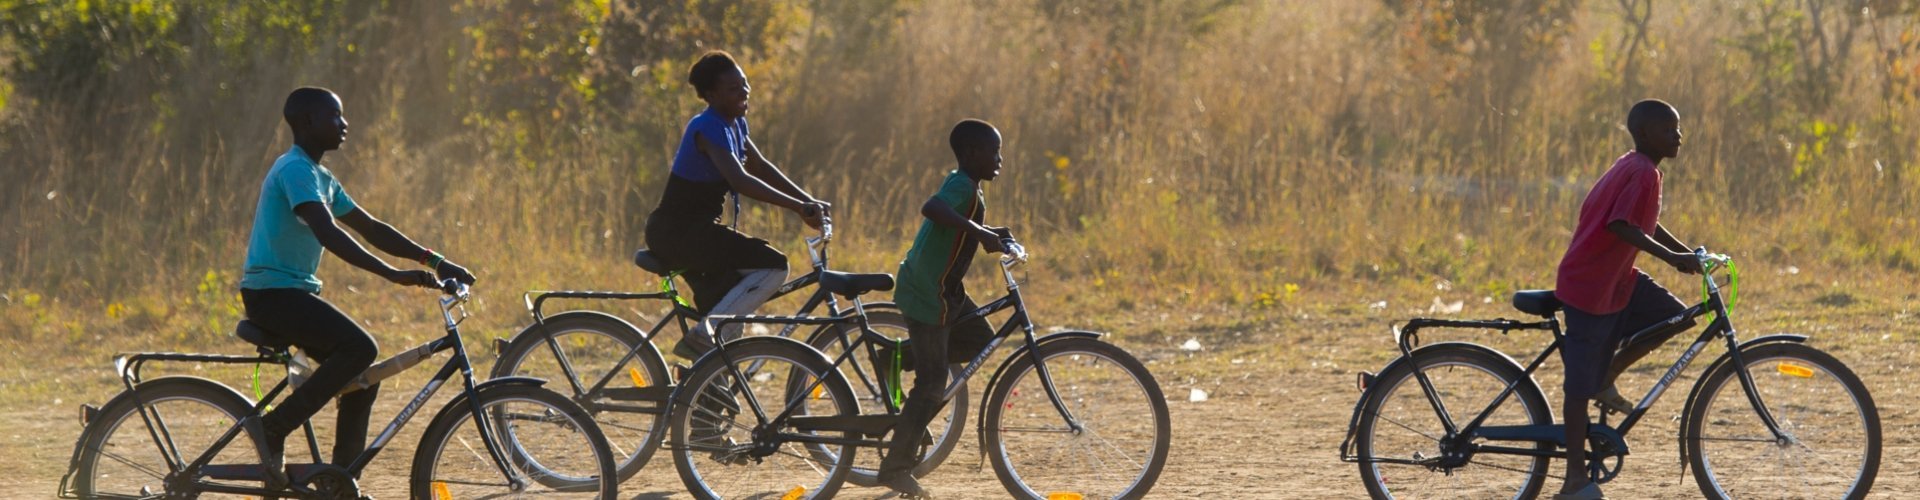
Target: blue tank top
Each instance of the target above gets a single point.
(731, 135)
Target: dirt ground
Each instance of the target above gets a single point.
(1280, 384)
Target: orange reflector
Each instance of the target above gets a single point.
(440, 491)
(797, 493)
(639, 380)
(817, 390)
(1795, 370)
(1064, 495)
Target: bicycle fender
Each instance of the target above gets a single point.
(980, 420)
(127, 397)
(1353, 424)
(1694, 393)
(529, 334)
(681, 396)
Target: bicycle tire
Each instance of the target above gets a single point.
(555, 443)
(192, 432)
(1385, 401)
(601, 341)
(1067, 361)
(1789, 376)
(863, 379)
(725, 445)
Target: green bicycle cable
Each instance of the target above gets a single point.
(894, 391)
(1732, 288)
(666, 286)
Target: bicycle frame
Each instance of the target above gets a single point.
(1019, 319)
(1407, 337)
(200, 468)
(680, 313)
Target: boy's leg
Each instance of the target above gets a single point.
(350, 424)
(1587, 353)
(1650, 305)
(929, 381)
(326, 334)
(761, 269)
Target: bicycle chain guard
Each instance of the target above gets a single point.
(330, 482)
(1606, 454)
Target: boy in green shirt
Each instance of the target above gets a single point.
(933, 298)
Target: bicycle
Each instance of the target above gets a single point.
(525, 440)
(1771, 397)
(598, 354)
(1043, 424)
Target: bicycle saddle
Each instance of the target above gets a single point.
(646, 260)
(254, 334)
(1536, 302)
(851, 285)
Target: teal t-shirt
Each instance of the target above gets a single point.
(930, 289)
(282, 252)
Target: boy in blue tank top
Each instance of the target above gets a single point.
(731, 273)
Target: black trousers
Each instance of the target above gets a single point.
(933, 348)
(344, 351)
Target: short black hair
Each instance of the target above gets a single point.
(969, 132)
(302, 101)
(1646, 111)
(708, 69)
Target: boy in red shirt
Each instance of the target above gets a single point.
(1607, 299)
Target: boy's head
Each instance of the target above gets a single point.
(720, 82)
(315, 116)
(976, 145)
(1655, 126)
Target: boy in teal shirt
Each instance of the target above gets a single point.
(933, 298)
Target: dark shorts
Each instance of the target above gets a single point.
(1592, 339)
(711, 254)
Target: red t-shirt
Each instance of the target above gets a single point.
(1596, 276)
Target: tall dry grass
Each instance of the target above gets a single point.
(1160, 154)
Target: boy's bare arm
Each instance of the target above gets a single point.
(945, 215)
(1666, 238)
(759, 166)
(1627, 232)
(382, 235)
(340, 244)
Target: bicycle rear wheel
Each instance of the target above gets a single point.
(119, 458)
(725, 448)
(1120, 446)
(1832, 448)
(945, 430)
(552, 446)
(1399, 423)
(592, 343)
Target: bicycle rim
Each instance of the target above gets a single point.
(121, 458)
(1121, 446)
(717, 457)
(1832, 449)
(593, 353)
(1402, 425)
(551, 448)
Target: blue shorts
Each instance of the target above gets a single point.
(1593, 339)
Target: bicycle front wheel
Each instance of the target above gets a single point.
(943, 432)
(1831, 447)
(551, 447)
(119, 457)
(1117, 443)
(733, 438)
(1399, 437)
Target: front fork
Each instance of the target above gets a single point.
(1040, 367)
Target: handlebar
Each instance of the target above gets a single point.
(826, 235)
(454, 289)
(1015, 254)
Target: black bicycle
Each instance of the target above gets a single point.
(1066, 415)
(615, 372)
(1771, 418)
(180, 436)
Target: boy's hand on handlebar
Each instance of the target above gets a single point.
(414, 277)
(990, 241)
(1684, 262)
(815, 213)
(452, 271)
